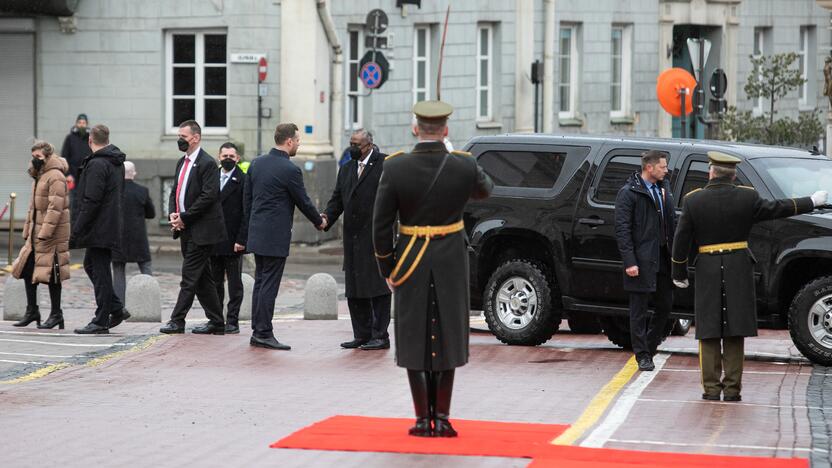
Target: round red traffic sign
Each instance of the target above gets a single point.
(370, 75)
(262, 68)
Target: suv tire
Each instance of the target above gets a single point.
(810, 317)
(617, 329)
(518, 305)
(585, 325)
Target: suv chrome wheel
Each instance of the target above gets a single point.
(516, 303)
(820, 321)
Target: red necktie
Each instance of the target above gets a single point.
(181, 180)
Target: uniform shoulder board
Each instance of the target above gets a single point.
(692, 192)
(397, 153)
(746, 187)
(461, 153)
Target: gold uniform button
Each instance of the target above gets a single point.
(433, 337)
(433, 354)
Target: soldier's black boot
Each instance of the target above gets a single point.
(419, 390)
(56, 317)
(443, 382)
(32, 315)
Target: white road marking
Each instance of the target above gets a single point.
(21, 362)
(726, 446)
(38, 355)
(743, 372)
(80, 345)
(738, 403)
(618, 413)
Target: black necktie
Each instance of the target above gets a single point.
(657, 198)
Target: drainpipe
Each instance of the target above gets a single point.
(549, 67)
(336, 100)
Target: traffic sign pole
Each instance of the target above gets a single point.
(262, 69)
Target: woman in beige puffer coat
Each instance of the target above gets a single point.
(44, 258)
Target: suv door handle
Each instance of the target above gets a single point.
(594, 221)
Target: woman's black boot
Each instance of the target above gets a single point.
(32, 315)
(419, 390)
(443, 383)
(56, 317)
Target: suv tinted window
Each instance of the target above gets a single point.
(526, 169)
(613, 177)
(696, 177)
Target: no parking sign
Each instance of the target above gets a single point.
(373, 70)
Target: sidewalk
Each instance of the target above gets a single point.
(325, 253)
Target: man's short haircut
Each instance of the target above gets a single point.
(651, 157)
(193, 125)
(100, 135)
(364, 133)
(431, 126)
(722, 171)
(228, 144)
(283, 132)
(129, 170)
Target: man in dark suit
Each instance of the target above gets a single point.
(716, 222)
(137, 206)
(368, 296)
(645, 219)
(196, 219)
(274, 186)
(428, 264)
(226, 259)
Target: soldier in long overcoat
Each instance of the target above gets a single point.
(427, 265)
(715, 222)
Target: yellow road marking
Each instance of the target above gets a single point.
(598, 405)
(44, 371)
(76, 266)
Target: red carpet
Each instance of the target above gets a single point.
(500, 439)
(483, 438)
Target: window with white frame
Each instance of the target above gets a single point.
(421, 63)
(485, 72)
(197, 80)
(353, 95)
(760, 35)
(805, 54)
(568, 62)
(621, 53)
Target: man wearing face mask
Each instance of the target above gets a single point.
(75, 149)
(226, 259)
(195, 216)
(368, 296)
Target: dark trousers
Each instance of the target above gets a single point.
(370, 317)
(268, 271)
(196, 281)
(32, 289)
(97, 266)
(231, 267)
(716, 355)
(646, 330)
(120, 278)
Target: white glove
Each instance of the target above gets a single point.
(819, 197)
(681, 284)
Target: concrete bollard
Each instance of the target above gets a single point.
(245, 307)
(143, 299)
(14, 299)
(320, 298)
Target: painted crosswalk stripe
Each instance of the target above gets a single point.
(725, 446)
(38, 355)
(78, 345)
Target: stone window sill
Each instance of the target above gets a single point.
(490, 125)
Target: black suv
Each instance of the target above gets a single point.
(543, 247)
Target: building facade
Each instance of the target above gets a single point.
(143, 67)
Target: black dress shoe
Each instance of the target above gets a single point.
(172, 328)
(732, 398)
(421, 428)
(645, 364)
(353, 344)
(442, 428)
(710, 396)
(376, 344)
(209, 329)
(117, 317)
(268, 343)
(92, 329)
(232, 329)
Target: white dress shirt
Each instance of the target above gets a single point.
(363, 162)
(184, 188)
(224, 177)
